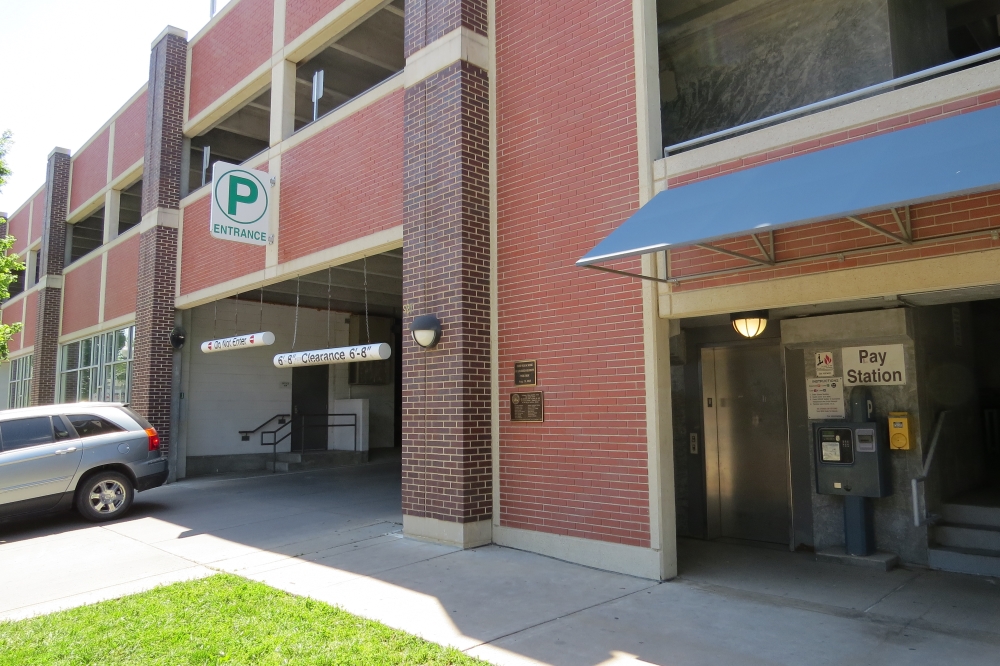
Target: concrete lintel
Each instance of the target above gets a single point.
(629, 560)
(59, 151)
(462, 535)
(160, 217)
(459, 44)
(50, 282)
(169, 30)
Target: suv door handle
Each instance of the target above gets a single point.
(62, 452)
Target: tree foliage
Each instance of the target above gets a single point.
(10, 264)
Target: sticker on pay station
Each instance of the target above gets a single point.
(239, 204)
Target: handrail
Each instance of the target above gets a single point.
(919, 518)
(833, 101)
(246, 433)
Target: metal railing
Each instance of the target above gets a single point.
(286, 430)
(920, 516)
(834, 101)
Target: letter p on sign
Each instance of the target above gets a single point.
(240, 204)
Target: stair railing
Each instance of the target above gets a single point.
(920, 516)
(284, 420)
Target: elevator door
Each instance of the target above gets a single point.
(746, 443)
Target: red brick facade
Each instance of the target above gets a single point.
(17, 226)
(301, 14)
(130, 136)
(37, 216)
(344, 183)
(447, 460)
(152, 370)
(562, 186)
(11, 314)
(123, 272)
(90, 170)
(48, 300)
(82, 288)
(199, 252)
(235, 46)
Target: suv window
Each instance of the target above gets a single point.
(88, 425)
(22, 433)
(62, 430)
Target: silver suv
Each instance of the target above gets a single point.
(94, 455)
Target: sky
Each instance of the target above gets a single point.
(68, 66)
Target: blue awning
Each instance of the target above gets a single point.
(949, 157)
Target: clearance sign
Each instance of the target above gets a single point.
(239, 204)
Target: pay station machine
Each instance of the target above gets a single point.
(852, 460)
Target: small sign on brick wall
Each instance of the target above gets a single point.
(527, 407)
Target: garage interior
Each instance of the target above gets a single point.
(238, 412)
(745, 462)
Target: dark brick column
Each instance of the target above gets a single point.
(447, 470)
(51, 261)
(152, 372)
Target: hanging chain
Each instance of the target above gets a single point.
(236, 322)
(328, 307)
(295, 331)
(368, 330)
(261, 309)
(215, 321)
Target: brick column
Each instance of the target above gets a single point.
(51, 260)
(447, 472)
(152, 373)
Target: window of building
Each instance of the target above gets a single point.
(351, 64)
(130, 208)
(98, 368)
(19, 389)
(85, 236)
(17, 286)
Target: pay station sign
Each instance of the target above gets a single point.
(240, 204)
(874, 365)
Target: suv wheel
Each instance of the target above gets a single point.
(104, 496)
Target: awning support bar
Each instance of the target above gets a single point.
(632, 275)
(887, 234)
(904, 226)
(738, 255)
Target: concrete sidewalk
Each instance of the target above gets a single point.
(335, 535)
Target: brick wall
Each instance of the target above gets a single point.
(567, 175)
(301, 14)
(201, 266)
(428, 20)
(238, 44)
(123, 272)
(11, 314)
(156, 274)
(130, 136)
(344, 183)
(90, 170)
(30, 319)
(37, 215)
(447, 459)
(81, 304)
(17, 226)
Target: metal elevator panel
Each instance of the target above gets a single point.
(746, 443)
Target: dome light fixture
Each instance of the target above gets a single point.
(750, 324)
(426, 330)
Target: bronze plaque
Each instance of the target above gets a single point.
(525, 373)
(527, 407)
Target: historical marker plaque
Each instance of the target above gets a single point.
(527, 407)
(525, 373)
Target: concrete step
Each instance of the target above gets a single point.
(970, 514)
(975, 537)
(962, 560)
(297, 462)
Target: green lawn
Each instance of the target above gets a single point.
(218, 620)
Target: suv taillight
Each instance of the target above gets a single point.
(154, 439)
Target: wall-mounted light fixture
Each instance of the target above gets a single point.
(426, 330)
(750, 324)
(177, 337)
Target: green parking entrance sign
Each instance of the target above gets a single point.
(240, 204)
